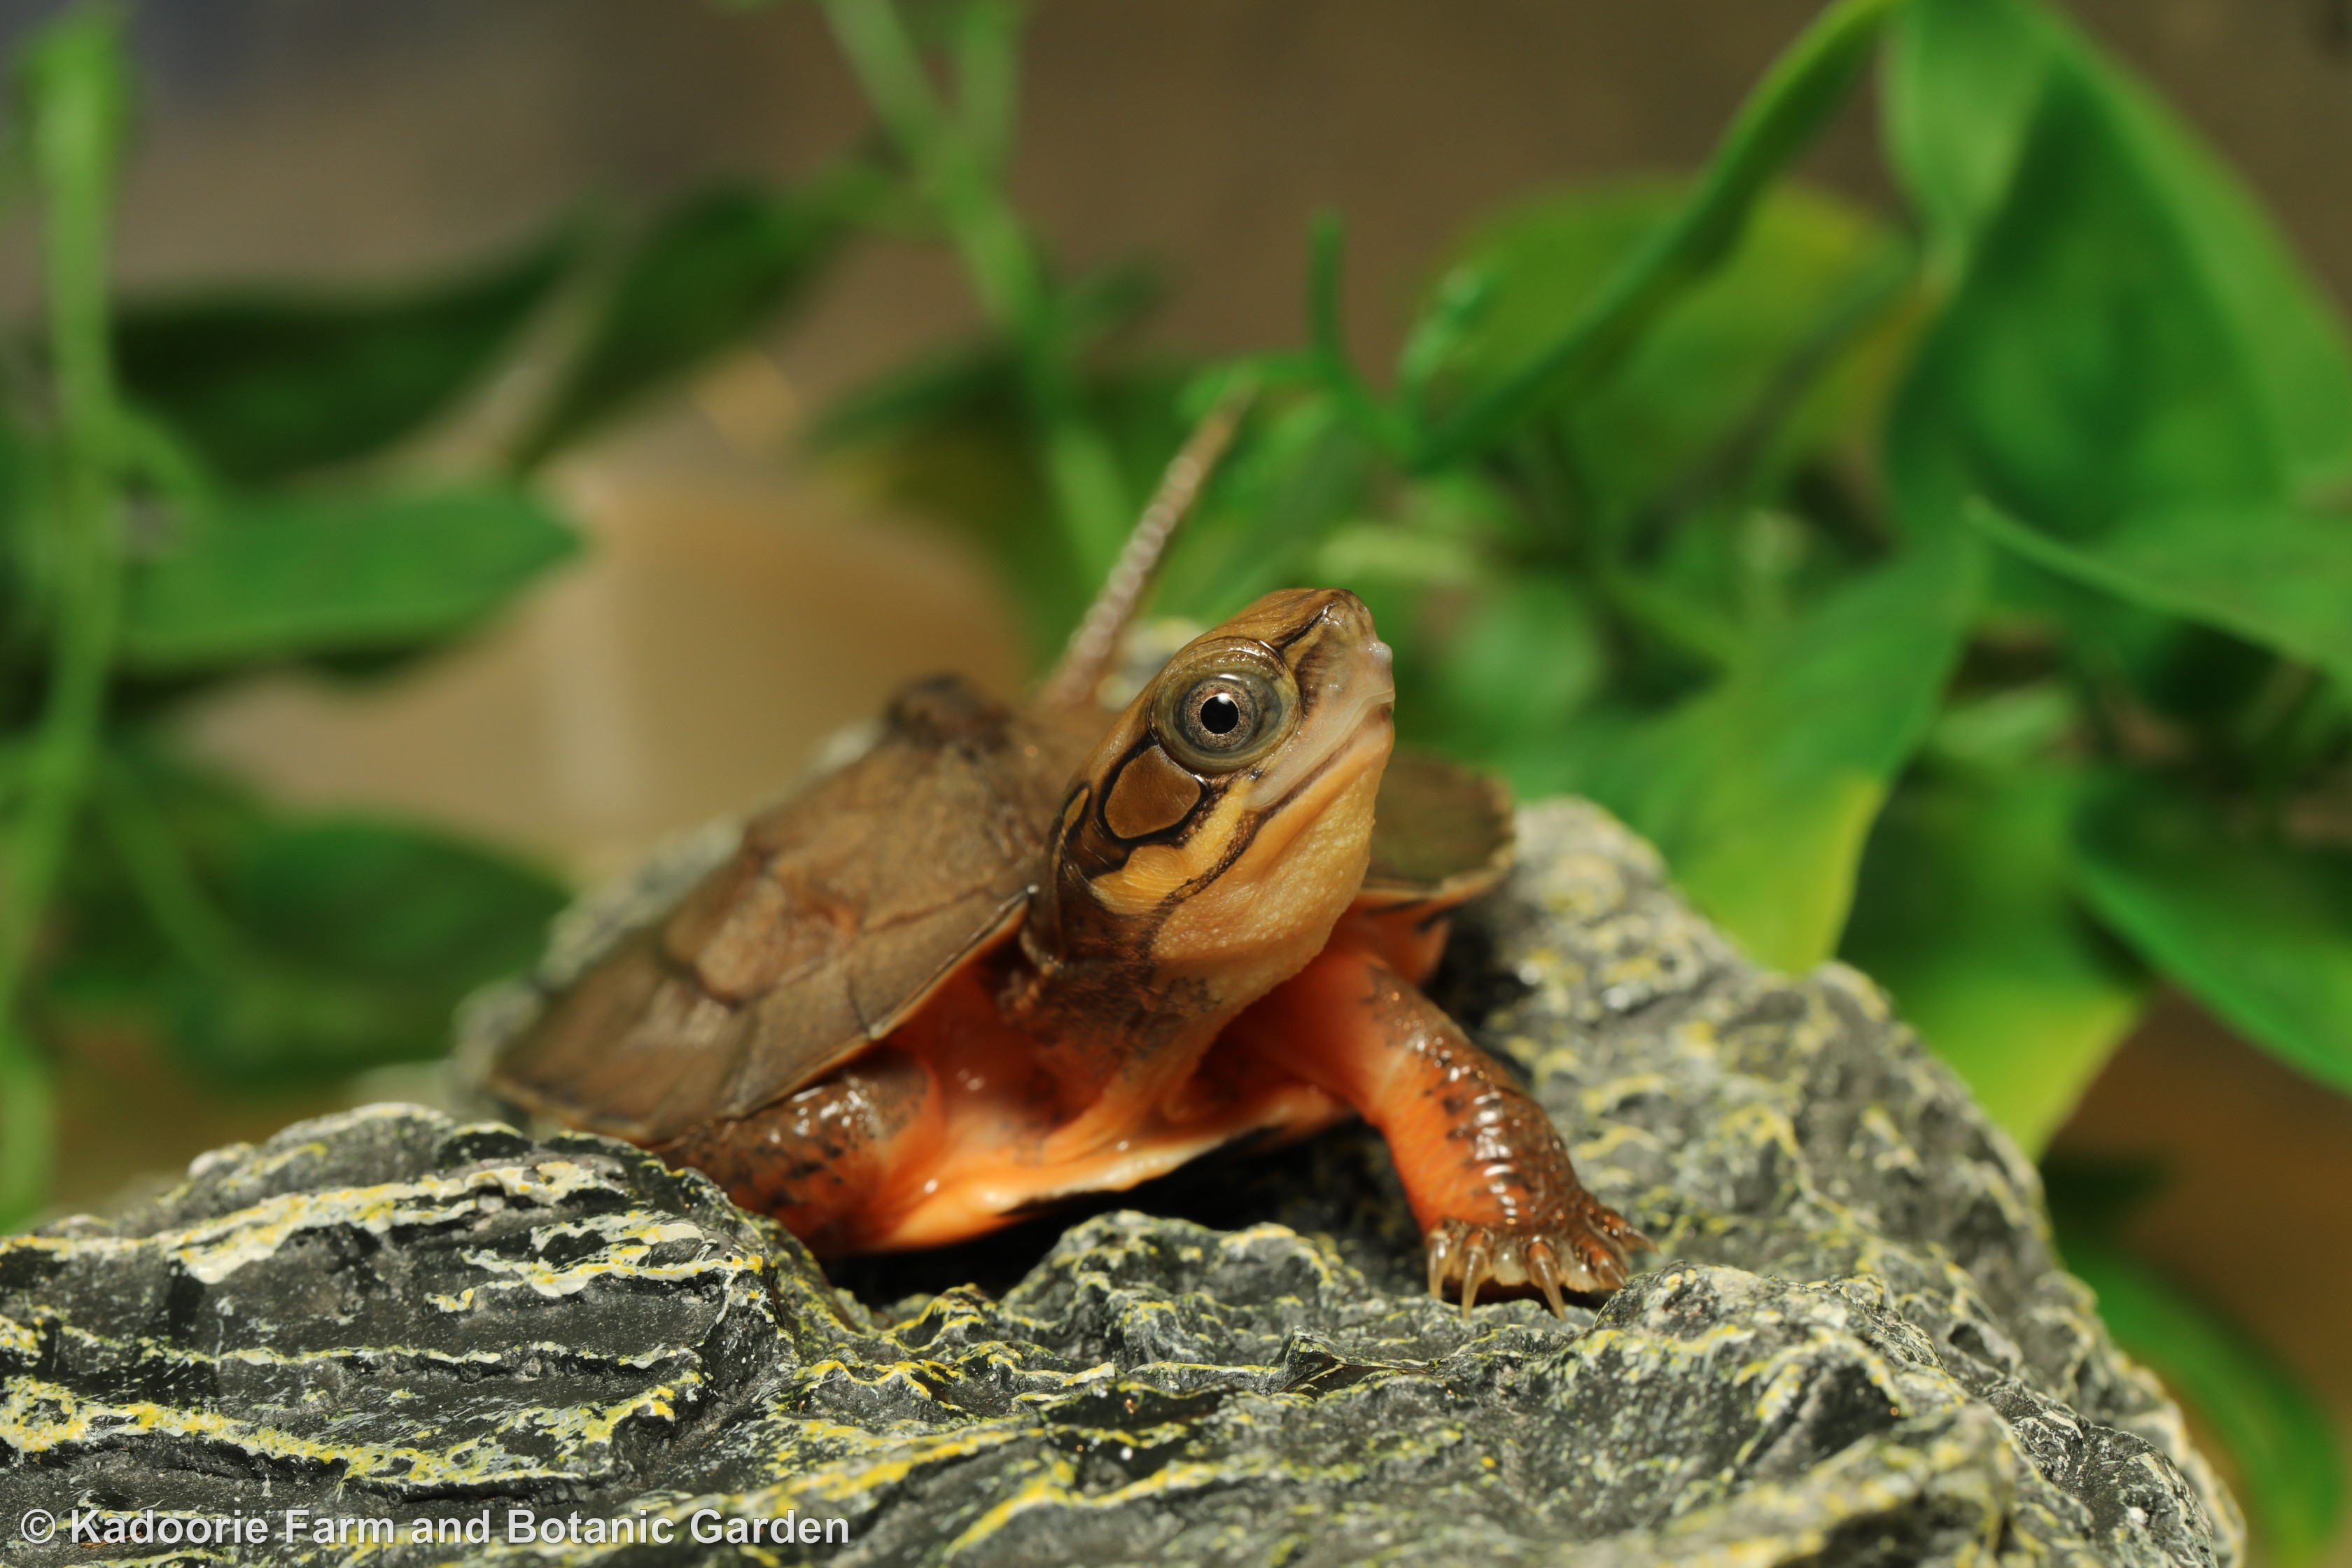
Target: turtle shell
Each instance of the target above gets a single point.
(845, 906)
(841, 910)
(1441, 834)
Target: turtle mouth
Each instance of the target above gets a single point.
(1347, 677)
(1295, 833)
(1350, 709)
(1312, 791)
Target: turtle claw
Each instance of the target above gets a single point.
(1444, 1247)
(1544, 1269)
(1478, 1265)
(1586, 1252)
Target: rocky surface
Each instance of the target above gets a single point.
(1855, 1348)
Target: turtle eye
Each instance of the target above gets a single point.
(1222, 720)
(1219, 715)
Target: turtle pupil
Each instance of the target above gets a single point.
(1217, 721)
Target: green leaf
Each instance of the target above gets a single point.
(306, 575)
(2131, 334)
(710, 273)
(271, 947)
(2291, 337)
(2289, 1466)
(1965, 910)
(1762, 790)
(2004, 730)
(2268, 573)
(360, 937)
(2083, 373)
(1797, 97)
(1965, 82)
(1526, 656)
(391, 904)
(1962, 80)
(942, 386)
(2261, 933)
(1458, 532)
(1726, 364)
(268, 382)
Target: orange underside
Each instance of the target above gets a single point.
(995, 1139)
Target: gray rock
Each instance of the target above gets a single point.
(1856, 1348)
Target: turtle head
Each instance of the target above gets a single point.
(1222, 828)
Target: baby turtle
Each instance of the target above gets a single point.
(1010, 955)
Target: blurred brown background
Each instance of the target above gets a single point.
(737, 608)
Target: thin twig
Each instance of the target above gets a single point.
(1092, 647)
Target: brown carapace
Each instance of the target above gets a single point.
(1010, 955)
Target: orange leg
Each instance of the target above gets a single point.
(815, 1159)
(1484, 1169)
(1408, 937)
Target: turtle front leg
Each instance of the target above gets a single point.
(819, 1161)
(1484, 1169)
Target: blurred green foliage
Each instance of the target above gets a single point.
(700, 280)
(267, 384)
(1966, 593)
(197, 488)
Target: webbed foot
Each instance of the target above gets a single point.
(1585, 1247)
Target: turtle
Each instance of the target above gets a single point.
(1011, 955)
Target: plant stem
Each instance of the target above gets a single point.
(75, 93)
(988, 80)
(1347, 389)
(1006, 273)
